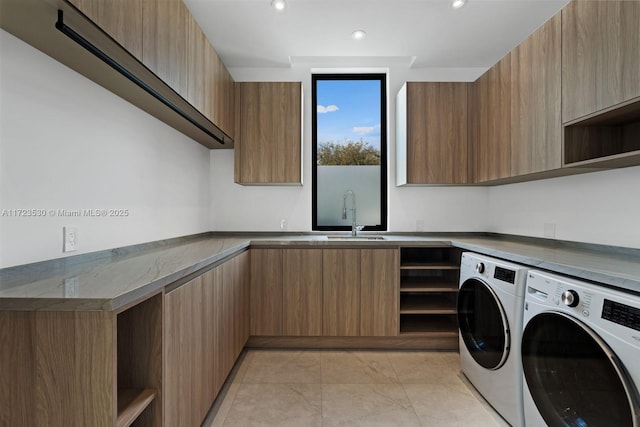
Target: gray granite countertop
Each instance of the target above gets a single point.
(113, 279)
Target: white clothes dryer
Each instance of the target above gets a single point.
(580, 353)
(490, 306)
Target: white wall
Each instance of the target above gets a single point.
(597, 207)
(245, 208)
(600, 207)
(67, 143)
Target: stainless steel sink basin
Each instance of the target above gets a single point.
(356, 238)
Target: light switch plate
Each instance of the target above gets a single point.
(70, 239)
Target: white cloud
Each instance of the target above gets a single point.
(365, 129)
(328, 109)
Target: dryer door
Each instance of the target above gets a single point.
(483, 324)
(574, 378)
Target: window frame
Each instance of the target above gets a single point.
(382, 78)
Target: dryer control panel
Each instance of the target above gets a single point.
(621, 314)
(505, 275)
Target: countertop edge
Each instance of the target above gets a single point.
(222, 250)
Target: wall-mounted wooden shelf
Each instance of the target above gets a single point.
(607, 139)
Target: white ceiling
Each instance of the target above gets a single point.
(414, 33)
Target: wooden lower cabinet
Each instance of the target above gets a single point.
(341, 292)
(379, 292)
(182, 335)
(302, 292)
(82, 368)
(324, 292)
(266, 292)
(206, 327)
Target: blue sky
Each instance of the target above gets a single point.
(348, 109)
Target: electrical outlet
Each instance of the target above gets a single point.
(419, 225)
(283, 224)
(70, 239)
(71, 287)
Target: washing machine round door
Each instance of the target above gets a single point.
(483, 324)
(573, 376)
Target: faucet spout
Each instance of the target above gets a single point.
(354, 227)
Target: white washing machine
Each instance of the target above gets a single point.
(580, 354)
(490, 306)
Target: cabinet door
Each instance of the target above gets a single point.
(268, 140)
(196, 64)
(302, 292)
(536, 128)
(600, 60)
(266, 292)
(164, 49)
(224, 101)
(241, 284)
(121, 19)
(229, 303)
(183, 354)
(436, 132)
(341, 292)
(379, 292)
(212, 327)
(490, 123)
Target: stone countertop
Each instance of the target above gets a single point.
(109, 280)
(113, 279)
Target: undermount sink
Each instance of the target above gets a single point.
(355, 237)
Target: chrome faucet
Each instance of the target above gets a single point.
(354, 227)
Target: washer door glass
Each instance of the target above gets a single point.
(573, 376)
(483, 324)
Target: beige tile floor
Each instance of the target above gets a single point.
(351, 388)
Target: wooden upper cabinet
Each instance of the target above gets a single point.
(121, 19)
(489, 135)
(196, 65)
(165, 35)
(536, 128)
(432, 133)
(341, 292)
(224, 99)
(167, 39)
(219, 92)
(600, 59)
(268, 137)
(302, 292)
(379, 292)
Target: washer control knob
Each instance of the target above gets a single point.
(480, 267)
(570, 298)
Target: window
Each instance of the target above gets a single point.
(349, 151)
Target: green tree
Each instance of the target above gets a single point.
(350, 152)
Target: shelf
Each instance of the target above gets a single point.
(131, 403)
(429, 266)
(427, 304)
(433, 326)
(427, 285)
(608, 139)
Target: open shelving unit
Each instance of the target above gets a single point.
(428, 290)
(607, 139)
(139, 364)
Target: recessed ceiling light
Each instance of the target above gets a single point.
(457, 4)
(358, 35)
(278, 4)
